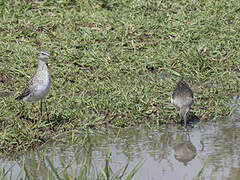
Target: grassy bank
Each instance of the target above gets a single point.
(118, 63)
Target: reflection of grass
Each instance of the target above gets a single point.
(117, 62)
(39, 169)
(200, 173)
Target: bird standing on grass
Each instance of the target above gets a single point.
(38, 86)
(182, 98)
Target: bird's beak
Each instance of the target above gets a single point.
(53, 58)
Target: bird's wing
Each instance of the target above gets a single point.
(26, 90)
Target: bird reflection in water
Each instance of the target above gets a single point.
(185, 151)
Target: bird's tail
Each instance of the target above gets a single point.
(19, 98)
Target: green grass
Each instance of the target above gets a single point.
(118, 63)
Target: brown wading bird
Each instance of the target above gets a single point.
(182, 98)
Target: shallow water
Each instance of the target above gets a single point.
(167, 153)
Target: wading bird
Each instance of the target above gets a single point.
(182, 98)
(38, 86)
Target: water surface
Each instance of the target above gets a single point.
(166, 153)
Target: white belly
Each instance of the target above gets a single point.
(179, 102)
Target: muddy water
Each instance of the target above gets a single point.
(210, 150)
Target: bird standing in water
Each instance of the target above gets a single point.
(182, 98)
(39, 85)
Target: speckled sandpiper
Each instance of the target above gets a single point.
(182, 98)
(38, 86)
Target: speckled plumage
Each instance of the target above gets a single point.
(182, 98)
(39, 85)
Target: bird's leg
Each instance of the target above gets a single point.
(46, 107)
(184, 114)
(41, 107)
(33, 112)
(185, 122)
(43, 102)
(32, 107)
